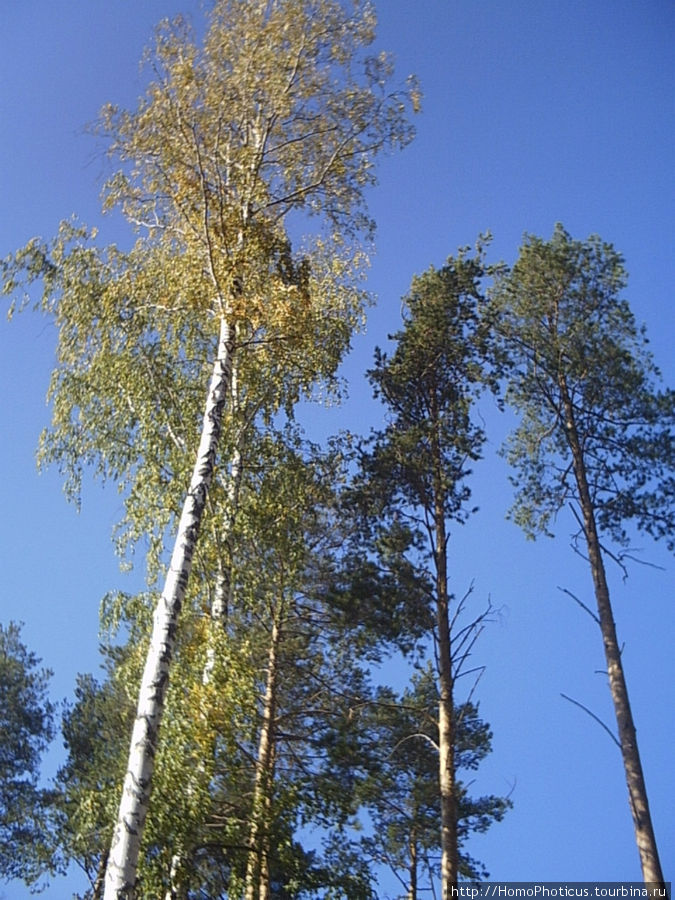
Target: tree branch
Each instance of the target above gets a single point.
(593, 716)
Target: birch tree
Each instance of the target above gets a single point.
(595, 432)
(279, 112)
(251, 744)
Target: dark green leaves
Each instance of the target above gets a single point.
(26, 728)
(569, 333)
(428, 385)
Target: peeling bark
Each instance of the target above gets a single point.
(125, 846)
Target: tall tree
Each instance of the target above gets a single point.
(401, 791)
(81, 814)
(280, 112)
(595, 432)
(288, 553)
(26, 728)
(251, 744)
(415, 474)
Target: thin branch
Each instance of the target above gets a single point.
(410, 736)
(628, 554)
(581, 604)
(593, 716)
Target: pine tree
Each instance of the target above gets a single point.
(414, 481)
(26, 728)
(595, 432)
(401, 790)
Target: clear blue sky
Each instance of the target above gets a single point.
(534, 112)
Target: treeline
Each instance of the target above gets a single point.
(266, 759)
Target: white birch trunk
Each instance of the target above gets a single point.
(126, 841)
(222, 597)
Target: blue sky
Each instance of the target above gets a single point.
(533, 112)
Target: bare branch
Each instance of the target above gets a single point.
(581, 604)
(593, 716)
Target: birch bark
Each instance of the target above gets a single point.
(282, 110)
(125, 846)
(222, 596)
(412, 868)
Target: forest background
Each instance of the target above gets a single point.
(532, 113)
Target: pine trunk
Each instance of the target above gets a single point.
(446, 735)
(125, 846)
(257, 865)
(637, 791)
(446, 755)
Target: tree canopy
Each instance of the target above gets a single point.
(288, 582)
(595, 431)
(26, 728)
(571, 333)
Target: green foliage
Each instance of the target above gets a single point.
(401, 790)
(95, 728)
(411, 486)
(280, 111)
(284, 537)
(289, 534)
(428, 385)
(26, 728)
(569, 332)
(413, 475)
(201, 723)
(277, 115)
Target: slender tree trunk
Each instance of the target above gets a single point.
(265, 887)
(257, 865)
(223, 591)
(637, 790)
(446, 736)
(125, 846)
(100, 877)
(223, 588)
(412, 866)
(177, 887)
(220, 605)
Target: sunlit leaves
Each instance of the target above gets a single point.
(268, 127)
